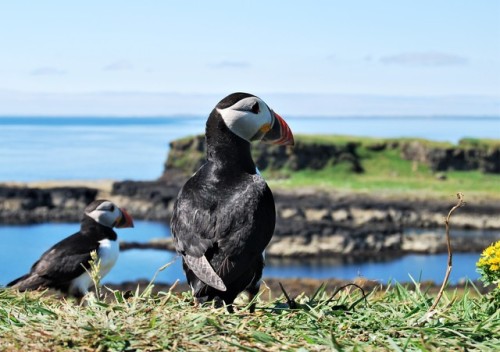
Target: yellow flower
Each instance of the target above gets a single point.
(489, 264)
(488, 251)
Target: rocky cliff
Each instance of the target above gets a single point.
(467, 155)
(188, 154)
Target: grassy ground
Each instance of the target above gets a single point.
(386, 172)
(396, 181)
(390, 319)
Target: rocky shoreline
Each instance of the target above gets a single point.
(310, 224)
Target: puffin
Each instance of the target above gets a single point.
(224, 215)
(64, 266)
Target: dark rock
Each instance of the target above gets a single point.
(21, 205)
(462, 157)
(187, 155)
(441, 176)
(491, 161)
(154, 191)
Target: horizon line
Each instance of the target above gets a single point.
(192, 115)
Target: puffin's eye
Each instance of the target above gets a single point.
(255, 108)
(107, 207)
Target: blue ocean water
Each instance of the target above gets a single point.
(88, 148)
(69, 148)
(17, 257)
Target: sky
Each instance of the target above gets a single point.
(318, 58)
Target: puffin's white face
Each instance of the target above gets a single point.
(249, 118)
(108, 214)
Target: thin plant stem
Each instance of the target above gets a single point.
(459, 204)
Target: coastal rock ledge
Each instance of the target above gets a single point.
(309, 224)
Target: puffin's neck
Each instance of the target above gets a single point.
(226, 150)
(89, 227)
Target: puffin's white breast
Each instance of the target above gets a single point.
(107, 252)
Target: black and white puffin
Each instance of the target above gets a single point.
(62, 267)
(224, 215)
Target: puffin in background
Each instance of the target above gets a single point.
(224, 215)
(62, 267)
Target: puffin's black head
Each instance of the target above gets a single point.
(108, 214)
(248, 117)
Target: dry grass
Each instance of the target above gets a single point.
(388, 320)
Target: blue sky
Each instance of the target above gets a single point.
(315, 57)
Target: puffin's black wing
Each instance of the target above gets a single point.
(59, 264)
(225, 225)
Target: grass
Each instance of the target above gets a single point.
(481, 143)
(366, 141)
(386, 172)
(393, 178)
(390, 319)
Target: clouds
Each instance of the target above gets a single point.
(120, 65)
(47, 71)
(427, 59)
(408, 59)
(230, 64)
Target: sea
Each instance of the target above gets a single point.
(36, 148)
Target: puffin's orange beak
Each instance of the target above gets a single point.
(280, 133)
(125, 220)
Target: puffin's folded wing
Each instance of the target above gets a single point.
(204, 271)
(192, 225)
(251, 226)
(66, 260)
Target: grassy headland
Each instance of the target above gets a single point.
(364, 164)
(387, 173)
(391, 319)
